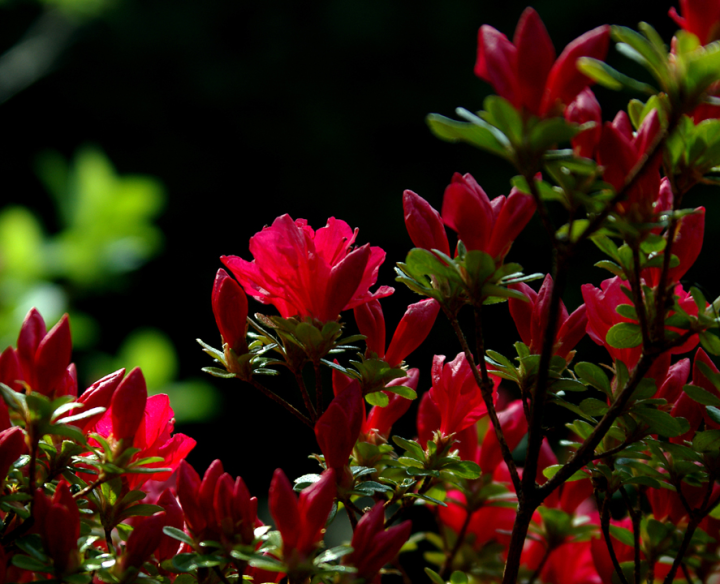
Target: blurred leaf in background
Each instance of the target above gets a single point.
(106, 231)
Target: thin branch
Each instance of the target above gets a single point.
(586, 451)
(483, 382)
(306, 397)
(276, 398)
(695, 518)
(635, 517)
(535, 434)
(102, 479)
(630, 180)
(638, 295)
(318, 389)
(605, 528)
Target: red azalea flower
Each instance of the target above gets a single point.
(424, 224)
(692, 411)
(12, 445)
(619, 151)
(482, 224)
(569, 563)
(309, 273)
(98, 395)
(585, 108)
(456, 395)
(601, 314)
(217, 508)
(526, 73)
(300, 520)
(153, 424)
(687, 244)
(486, 524)
(700, 17)
(410, 333)
(338, 428)
(57, 520)
(42, 358)
(143, 541)
(373, 545)
(531, 320)
(230, 307)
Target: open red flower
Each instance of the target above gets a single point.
(309, 273)
(526, 73)
(147, 424)
(456, 395)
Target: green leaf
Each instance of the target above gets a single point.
(216, 372)
(622, 535)
(550, 471)
(478, 133)
(458, 577)
(434, 576)
(659, 422)
(413, 449)
(28, 563)
(593, 407)
(333, 554)
(178, 534)
(32, 545)
(707, 441)
(401, 390)
(701, 396)
(592, 375)
(643, 52)
(626, 310)
(606, 245)
(624, 335)
(142, 510)
(369, 488)
(567, 385)
(710, 342)
(377, 398)
(713, 413)
(608, 77)
(504, 117)
(552, 131)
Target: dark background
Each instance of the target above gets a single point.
(247, 110)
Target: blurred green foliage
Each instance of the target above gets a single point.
(105, 231)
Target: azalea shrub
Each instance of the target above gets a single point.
(538, 467)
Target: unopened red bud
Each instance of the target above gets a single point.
(128, 406)
(143, 541)
(12, 445)
(423, 224)
(53, 357)
(230, 307)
